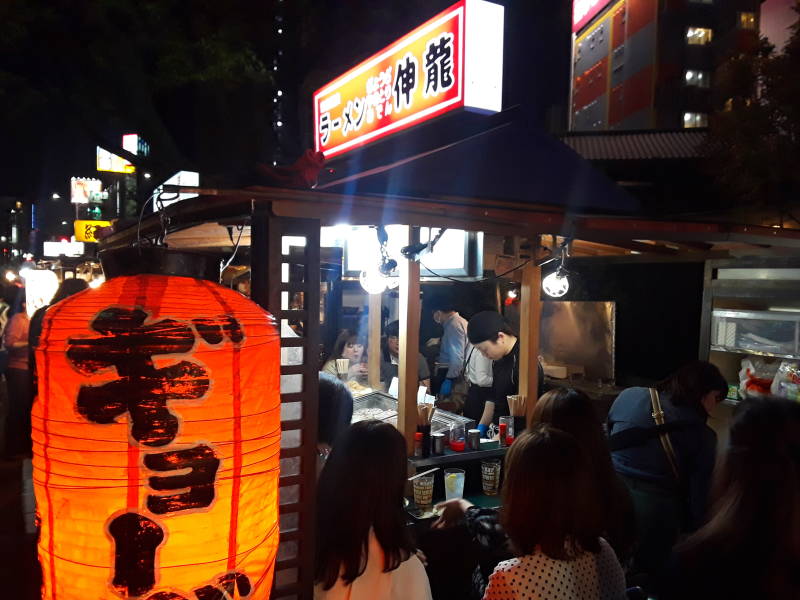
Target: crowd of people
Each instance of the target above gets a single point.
(637, 506)
(474, 366)
(633, 505)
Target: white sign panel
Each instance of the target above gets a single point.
(63, 249)
(184, 178)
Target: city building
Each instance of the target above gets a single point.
(649, 64)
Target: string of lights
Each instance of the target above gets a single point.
(278, 100)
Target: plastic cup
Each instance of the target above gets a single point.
(458, 437)
(454, 483)
(343, 367)
(509, 429)
(490, 476)
(423, 490)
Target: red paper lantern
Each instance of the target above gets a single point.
(156, 442)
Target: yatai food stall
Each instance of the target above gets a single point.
(503, 179)
(273, 219)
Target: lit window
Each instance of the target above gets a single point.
(747, 20)
(694, 119)
(697, 78)
(698, 36)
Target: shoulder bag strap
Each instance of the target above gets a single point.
(666, 442)
(466, 360)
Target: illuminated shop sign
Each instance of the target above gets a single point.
(108, 161)
(583, 11)
(82, 190)
(85, 230)
(454, 60)
(63, 248)
(134, 144)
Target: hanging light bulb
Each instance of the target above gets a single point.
(376, 280)
(556, 284)
(373, 281)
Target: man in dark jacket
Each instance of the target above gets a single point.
(494, 338)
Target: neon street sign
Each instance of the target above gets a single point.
(454, 60)
(583, 11)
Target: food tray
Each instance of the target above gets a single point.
(383, 407)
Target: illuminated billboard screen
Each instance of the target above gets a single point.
(82, 190)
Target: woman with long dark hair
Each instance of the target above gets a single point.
(666, 463)
(351, 346)
(750, 548)
(555, 526)
(571, 411)
(364, 551)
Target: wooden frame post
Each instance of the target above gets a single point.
(294, 568)
(530, 318)
(408, 369)
(374, 341)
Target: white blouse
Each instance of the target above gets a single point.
(409, 581)
(538, 577)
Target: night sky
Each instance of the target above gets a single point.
(45, 142)
(776, 17)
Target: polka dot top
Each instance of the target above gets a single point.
(538, 577)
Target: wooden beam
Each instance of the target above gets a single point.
(374, 341)
(646, 247)
(490, 216)
(409, 345)
(530, 317)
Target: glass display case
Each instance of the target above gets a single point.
(766, 333)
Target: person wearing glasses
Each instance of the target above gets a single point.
(390, 358)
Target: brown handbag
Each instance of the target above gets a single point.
(666, 442)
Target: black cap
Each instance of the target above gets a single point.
(484, 326)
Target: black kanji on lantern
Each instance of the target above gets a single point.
(136, 539)
(199, 481)
(214, 331)
(225, 588)
(439, 65)
(405, 82)
(142, 391)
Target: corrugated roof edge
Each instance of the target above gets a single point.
(637, 145)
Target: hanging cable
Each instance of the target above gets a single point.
(235, 249)
(158, 205)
